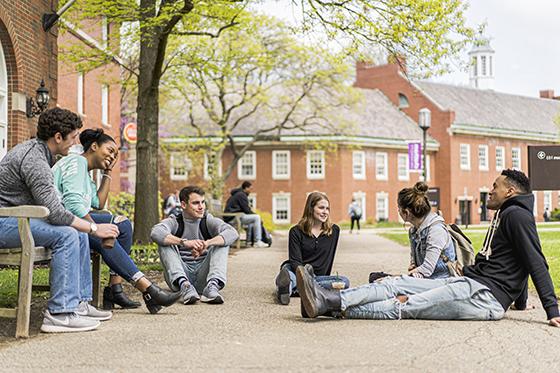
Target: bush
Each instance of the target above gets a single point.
(122, 204)
(266, 218)
(555, 215)
(144, 254)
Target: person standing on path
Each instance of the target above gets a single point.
(312, 241)
(355, 213)
(511, 252)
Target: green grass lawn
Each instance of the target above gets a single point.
(550, 242)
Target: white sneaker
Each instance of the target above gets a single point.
(260, 244)
(87, 310)
(67, 323)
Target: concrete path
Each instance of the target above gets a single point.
(252, 333)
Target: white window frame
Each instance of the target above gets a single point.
(311, 154)
(385, 174)
(428, 173)
(465, 148)
(359, 161)
(173, 175)
(502, 158)
(518, 151)
(206, 171)
(535, 205)
(361, 198)
(275, 198)
(105, 105)
(253, 175)
(483, 161)
(104, 32)
(275, 157)
(385, 197)
(547, 200)
(406, 175)
(80, 94)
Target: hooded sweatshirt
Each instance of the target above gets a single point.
(511, 252)
(427, 242)
(237, 202)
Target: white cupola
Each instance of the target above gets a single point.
(482, 65)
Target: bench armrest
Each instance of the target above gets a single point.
(25, 211)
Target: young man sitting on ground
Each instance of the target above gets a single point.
(26, 179)
(193, 249)
(511, 252)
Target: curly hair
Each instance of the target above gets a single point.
(57, 120)
(518, 180)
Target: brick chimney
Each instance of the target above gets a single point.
(547, 93)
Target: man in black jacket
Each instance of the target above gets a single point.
(511, 252)
(239, 202)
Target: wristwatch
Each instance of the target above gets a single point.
(92, 228)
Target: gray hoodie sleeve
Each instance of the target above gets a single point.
(436, 242)
(163, 229)
(219, 227)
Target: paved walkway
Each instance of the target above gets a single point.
(252, 333)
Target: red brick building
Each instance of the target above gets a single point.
(27, 56)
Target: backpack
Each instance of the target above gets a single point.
(464, 251)
(203, 226)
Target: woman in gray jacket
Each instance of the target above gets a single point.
(429, 238)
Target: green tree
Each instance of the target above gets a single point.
(426, 31)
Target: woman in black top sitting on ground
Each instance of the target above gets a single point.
(312, 241)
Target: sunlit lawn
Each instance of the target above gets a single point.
(550, 242)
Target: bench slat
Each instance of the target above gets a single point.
(26, 211)
(13, 256)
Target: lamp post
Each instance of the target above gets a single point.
(424, 121)
(37, 106)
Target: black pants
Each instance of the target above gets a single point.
(357, 220)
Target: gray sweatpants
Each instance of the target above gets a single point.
(199, 272)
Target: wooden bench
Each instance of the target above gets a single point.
(236, 224)
(25, 257)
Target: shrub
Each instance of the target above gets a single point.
(122, 204)
(144, 254)
(555, 215)
(266, 218)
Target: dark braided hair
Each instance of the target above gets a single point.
(90, 136)
(415, 199)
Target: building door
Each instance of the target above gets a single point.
(465, 211)
(3, 104)
(484, 206)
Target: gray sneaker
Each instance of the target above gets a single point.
(211, 295)
(87, 310)
(67, 323)
(189, 294)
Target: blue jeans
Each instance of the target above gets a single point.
(254, 222)
(324, 281)
(198, 272)
(117, 258)
(70, 268)
(453, 298)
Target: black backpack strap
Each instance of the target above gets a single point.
(203, 226)
(181, 224)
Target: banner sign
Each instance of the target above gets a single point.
(544, 167)
(415, 156)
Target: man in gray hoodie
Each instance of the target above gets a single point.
(193, 249)
(26, 179)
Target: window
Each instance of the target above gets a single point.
(402, 165)
(360, 197)
(104, 32)
(209, 163)
(180, 166)
(500, 158)
(381, 172)
(465, 156)
(403, 101)
(381, 206)
(316, 164)
(483, 63)
(516, 158)
(252, 200)
(490, 65)
(535, 212)
(281, 208)
(359, 165)
(281, 164)
(105, 104)
(483, 157)
(475, 66)
(427, 168)
(247, 166)
(547, 200)
(80, 94)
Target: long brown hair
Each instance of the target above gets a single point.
(307, 219)
(415, 199)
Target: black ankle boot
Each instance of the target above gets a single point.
(115, 295)
(156, 298)
(316, 300)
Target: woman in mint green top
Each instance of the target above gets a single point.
(80, 194)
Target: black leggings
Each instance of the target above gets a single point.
(357, 220)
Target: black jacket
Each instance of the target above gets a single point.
(516, 254)
(237, 202)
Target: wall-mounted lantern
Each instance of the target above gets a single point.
(37, 106)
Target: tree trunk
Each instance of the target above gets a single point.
(146, 203)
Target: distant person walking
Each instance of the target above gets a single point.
(172, 204)
(355, 213)
(546, 215)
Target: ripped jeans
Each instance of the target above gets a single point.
(453, 298)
